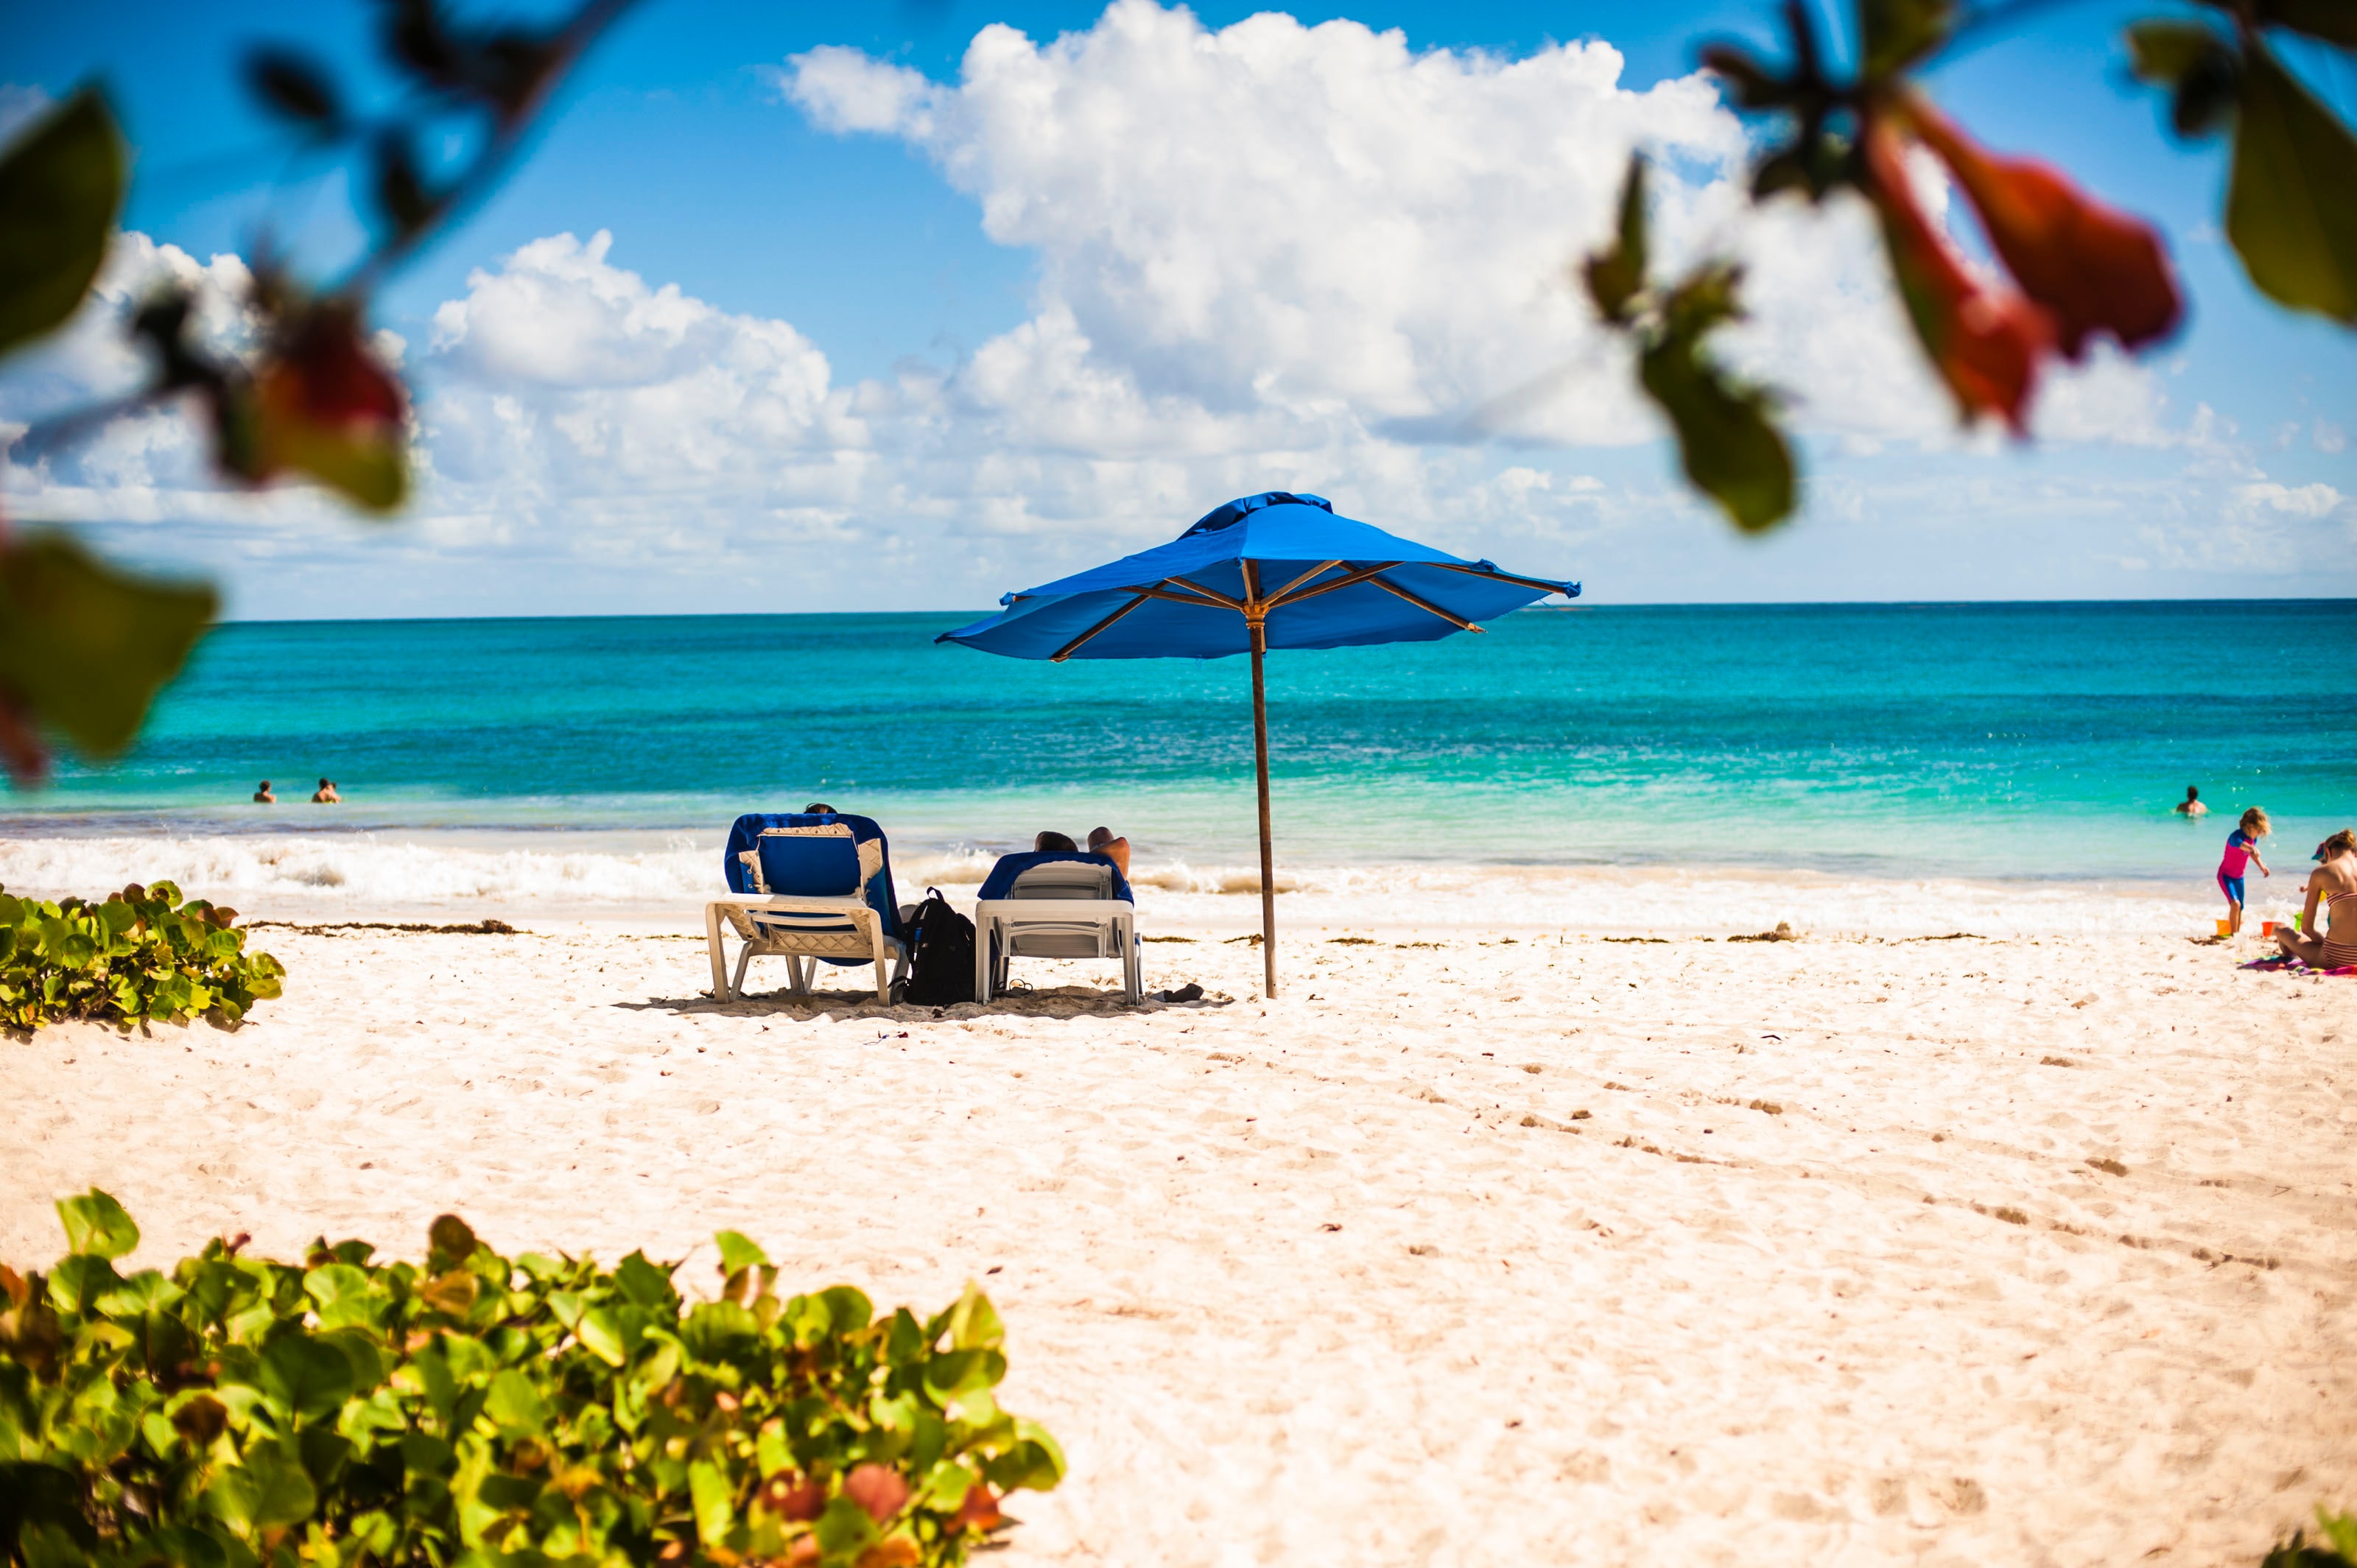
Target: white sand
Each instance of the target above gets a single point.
(1348, 1278)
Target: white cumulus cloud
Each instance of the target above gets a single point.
(2297, 500)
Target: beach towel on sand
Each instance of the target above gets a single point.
(2281, 962)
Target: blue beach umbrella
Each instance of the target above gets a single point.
(1268, 571)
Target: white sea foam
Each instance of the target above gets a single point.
(337, 875)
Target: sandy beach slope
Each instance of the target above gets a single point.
(1476, 1247)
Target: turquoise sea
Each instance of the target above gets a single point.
(1891, 741)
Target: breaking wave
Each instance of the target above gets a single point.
(618, 875)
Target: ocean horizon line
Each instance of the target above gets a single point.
(1582, 607)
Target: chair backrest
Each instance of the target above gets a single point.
(746, 834)
(1063, 879)
(1104, 879)
(809, 866)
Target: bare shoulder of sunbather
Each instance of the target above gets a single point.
(1101, 842)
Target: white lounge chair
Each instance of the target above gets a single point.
(819, 890)
(1055, 905)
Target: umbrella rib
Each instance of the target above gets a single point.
(1213, 595)
(1359, 575)
(1066, 650)
(1277, 597)
(1160, 593)
(1502, 576)
(1459, 622)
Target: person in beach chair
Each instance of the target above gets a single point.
(1059, 901)
(814, 886)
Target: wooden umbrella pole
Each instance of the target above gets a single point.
(1267, 854)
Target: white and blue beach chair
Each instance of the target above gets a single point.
(1055, 905)
(812, 889)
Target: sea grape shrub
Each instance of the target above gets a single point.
(142, 955)
(2335, 1546)
(487, 1411)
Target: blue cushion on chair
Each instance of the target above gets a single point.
(809, 868)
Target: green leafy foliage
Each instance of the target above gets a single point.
(60, 184)
(143, 955)
(87, 645)
(1616, 277)
(481, 1409)
(2291, 212)
(1727, 441)
(2334, 21)
(2336, 1546)
(1896, 34)
(2195, 64)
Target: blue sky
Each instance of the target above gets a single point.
(942, 308)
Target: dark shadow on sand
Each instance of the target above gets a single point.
(1052, 1002)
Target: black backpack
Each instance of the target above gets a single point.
(940, 944)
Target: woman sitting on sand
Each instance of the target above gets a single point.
(2333, 885)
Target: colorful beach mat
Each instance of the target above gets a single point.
(2281, 961)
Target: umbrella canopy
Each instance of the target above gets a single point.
(1269, 571)
(1316, 580)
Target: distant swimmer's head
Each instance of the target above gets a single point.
(326, 784)
(820, 809)
(2192, 793)
(1051, 842)
(2254, 822)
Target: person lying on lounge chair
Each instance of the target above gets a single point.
(1101, 841)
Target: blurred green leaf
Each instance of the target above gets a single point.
(293, 87)
(2197, 66)
(401, 189)
(2162, 52)
(1752, 85)
(1727, 443)
(453, 1294)
(1895, 34)
(844, 1528)
(60, 185)
(268, 1490)
(514, 1404)
(451, 1237)
(738, 1252)
(96, 1224)
(89, 646)
(307, 1379)
(606, 1335)
(643, 1283)
(714, 1508)
(2334, 21)
(973, 1322)
(2291, 203)
(1616, 277)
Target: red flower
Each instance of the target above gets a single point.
(979, 1511)
(2093, 269)
(324, 406)
(793, 1498)
(1983, 341)
(877, 1489)
(328, 374)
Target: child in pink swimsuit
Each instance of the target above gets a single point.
(2241, 849)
